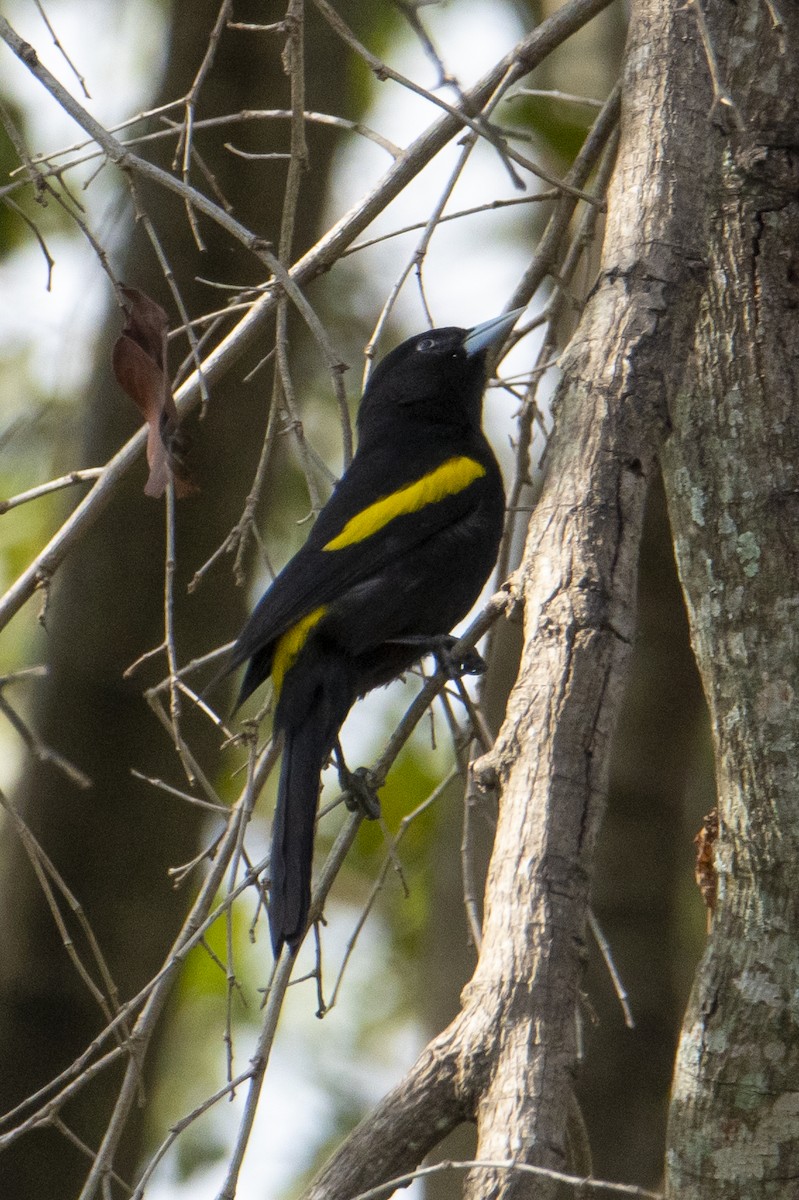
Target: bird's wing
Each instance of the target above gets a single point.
(357, 533)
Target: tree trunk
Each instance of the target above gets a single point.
(661, 785)
(732, 472)
(621, 372)
(508, 1058)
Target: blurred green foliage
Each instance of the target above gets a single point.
(558, 129)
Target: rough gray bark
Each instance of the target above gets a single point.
(732, 470)
(621, 371)
(661, 785)
(508, 1057)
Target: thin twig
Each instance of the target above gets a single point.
(40, 750)
(186, 138)
(379, 882)
(105, 996)
(489, 206)
(62, 51)
(48, 258)
(579, 1183)
(87, 475)
(721, 97)
(222, 809)
(521, 60)
(169, 277)
(170, 564)
(607, 957)
(480, 127)
(544, 261)
(227, 1090)
(174, 129)
(471, 895)
(45, 1115)
(32, 172)
(553, 94)
(777, 23)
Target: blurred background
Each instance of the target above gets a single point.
(69, 738)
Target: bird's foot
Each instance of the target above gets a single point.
(360, 793)
(465, 662)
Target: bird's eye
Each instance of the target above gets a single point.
(426, 344)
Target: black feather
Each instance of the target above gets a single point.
(411, 566)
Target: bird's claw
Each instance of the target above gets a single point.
(360, 793)
(467, 662)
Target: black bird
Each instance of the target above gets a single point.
(395, 559)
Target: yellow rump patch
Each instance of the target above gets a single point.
(447, 480)
(290, 644)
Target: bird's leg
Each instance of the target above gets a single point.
(467, 662)
(360, 793)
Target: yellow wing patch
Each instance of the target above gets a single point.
(290, 644)
(447, 480)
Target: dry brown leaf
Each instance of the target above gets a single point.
(138, 359)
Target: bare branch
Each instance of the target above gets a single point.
(520, 61)
(57, 43)
(581, 1184)
(87, 475)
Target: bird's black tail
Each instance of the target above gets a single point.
(308, 740)
(293, 833)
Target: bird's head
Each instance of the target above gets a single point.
(438, 375)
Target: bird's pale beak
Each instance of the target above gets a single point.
(485, 335)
